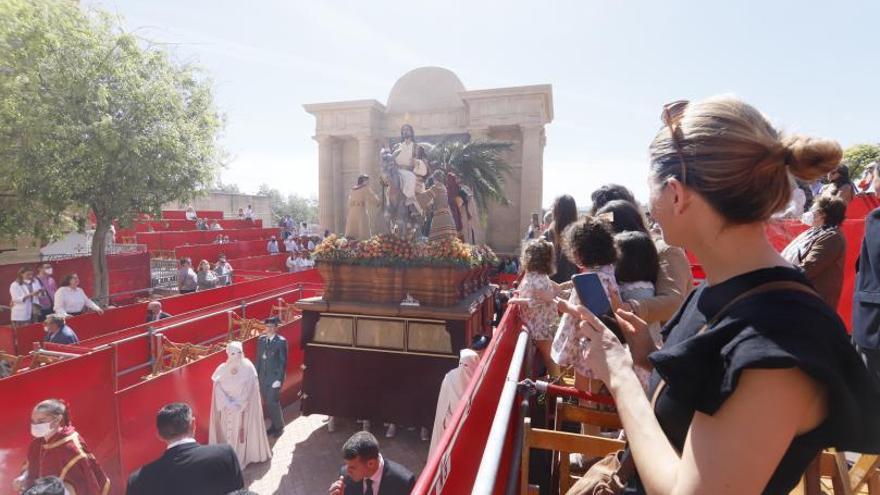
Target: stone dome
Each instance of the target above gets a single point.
(424, 89)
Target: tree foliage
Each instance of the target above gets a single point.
(93, 118)
(299, 208)
(857, 157)
(479, 165)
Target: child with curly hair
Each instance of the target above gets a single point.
(540, 314)
(589, 244)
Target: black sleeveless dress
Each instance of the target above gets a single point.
(773, 330)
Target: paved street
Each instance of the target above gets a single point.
(306, 459)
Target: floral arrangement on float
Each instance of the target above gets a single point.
(386, 268)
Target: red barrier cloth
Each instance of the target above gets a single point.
(269, 263)
(239, 249)
(861, 205)
(453, 466)
(86, 384)
(168, 241)
(181, 214)
(91, 325)
(128, 272)
(191, 384)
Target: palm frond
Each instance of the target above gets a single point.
(479, 165)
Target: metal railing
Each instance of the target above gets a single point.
(484, 484)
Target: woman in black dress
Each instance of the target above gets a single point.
(753, 380)
(564, 214)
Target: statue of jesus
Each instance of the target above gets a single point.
(411, 161)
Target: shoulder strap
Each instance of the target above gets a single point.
(778, 285)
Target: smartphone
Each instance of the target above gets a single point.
(591, 293)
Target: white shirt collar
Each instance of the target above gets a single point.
(377, 476)
(181, 442)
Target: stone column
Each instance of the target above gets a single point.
(531, 184)
(340, 198)
(326, 200)
(368, 163)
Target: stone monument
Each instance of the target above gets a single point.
(435, 102)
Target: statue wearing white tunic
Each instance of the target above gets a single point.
(411, 163)
(236, 409)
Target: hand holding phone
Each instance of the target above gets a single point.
(591, 293)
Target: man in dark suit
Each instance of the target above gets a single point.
(271, 368)
(866, 297)
(366, 472)
(155, 313)
(186, 468)
(57, 331)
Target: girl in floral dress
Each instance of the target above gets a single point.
(539, 315)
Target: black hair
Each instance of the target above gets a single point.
(65, 282)
(47, 485)
(608, 193)
(638, 260)
(589, 243)
(564, 214)
(173, 420)
(627, 217)
(361, 445)
(480, 342)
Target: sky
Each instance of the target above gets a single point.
(811, 67)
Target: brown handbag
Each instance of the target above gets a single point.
(610, 475)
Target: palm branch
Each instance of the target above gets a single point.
(479, 165)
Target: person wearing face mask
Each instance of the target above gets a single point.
(236, 411)
(24, 292)
(271, 368)
(59, 450)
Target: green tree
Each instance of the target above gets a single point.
(93, 118)
(479, 165)
(299, 208)
(857, 157)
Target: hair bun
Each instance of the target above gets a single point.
(809, 158)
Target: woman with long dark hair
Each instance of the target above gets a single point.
(839, 184)
(564, 214)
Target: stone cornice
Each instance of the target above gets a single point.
(335, 106)
(543, 91)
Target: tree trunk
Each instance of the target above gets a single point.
(99, 262)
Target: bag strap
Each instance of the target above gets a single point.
(627, 463)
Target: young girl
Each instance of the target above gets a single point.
(589, 244)
(638, 266)
(539, 315)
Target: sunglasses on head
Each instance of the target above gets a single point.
(671, 117)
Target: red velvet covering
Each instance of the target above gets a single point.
(168, 241)
(464, 440)
(128, 272)
(92, 325)
(181, 214)
(240, 249)
(120, 426)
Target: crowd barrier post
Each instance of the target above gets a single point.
(243, 309)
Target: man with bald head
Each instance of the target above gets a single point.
(154, 311)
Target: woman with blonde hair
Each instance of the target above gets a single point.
(756, 375)
(205, 277)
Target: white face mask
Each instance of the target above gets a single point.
(48, 271)
(41, 430)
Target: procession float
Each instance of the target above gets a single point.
(397, 307)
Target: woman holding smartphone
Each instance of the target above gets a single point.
(757, 374)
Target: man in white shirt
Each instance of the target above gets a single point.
(272, 245)
(366, 471)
